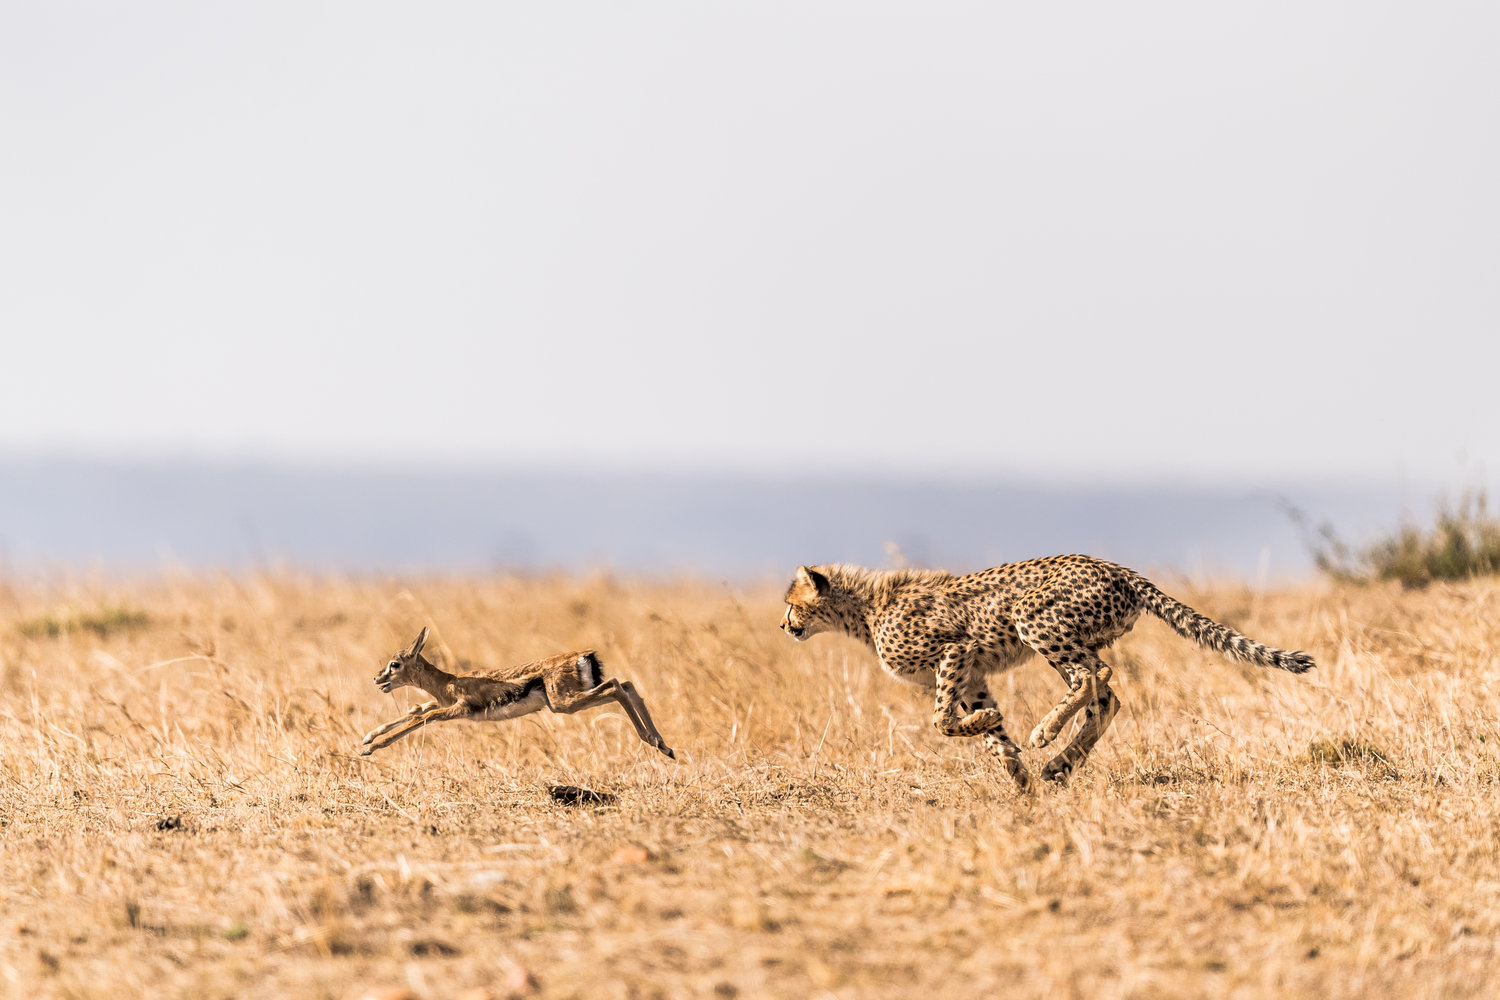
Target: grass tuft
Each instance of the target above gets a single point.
(103, 623)
(1463, 542)
(1351, 752)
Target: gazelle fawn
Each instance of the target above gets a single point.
(566, 683)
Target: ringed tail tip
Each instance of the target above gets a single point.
(1299, 663)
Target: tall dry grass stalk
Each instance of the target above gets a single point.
(183, 811)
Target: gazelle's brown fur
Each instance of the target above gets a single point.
(566, 683)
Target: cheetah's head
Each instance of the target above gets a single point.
(401, 670)
(807, 605)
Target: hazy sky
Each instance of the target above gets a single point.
(1080, 241)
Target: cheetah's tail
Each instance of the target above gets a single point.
(1220, 638)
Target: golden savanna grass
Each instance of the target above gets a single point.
(183, 812)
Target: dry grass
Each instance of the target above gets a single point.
(182, 811)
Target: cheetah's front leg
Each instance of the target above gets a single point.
(955, 676)
(952, 680)
(996, 741)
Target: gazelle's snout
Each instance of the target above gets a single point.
(386, 679)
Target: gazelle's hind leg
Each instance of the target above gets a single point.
(996, 741)
(622, 693)
(1097, 717)
(636, 709)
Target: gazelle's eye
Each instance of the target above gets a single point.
(393, 665)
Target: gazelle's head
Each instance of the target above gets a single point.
(808, 609)
(401, 671)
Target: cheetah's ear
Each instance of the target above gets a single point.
(812, 582)
(416, 646)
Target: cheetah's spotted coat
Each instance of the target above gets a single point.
(930, 627)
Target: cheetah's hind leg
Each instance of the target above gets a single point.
(1100, 713)
(1081, 692)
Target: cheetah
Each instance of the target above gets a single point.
(950, 632)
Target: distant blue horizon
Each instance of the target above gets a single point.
(144, 517)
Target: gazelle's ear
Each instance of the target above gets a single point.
(416, 646)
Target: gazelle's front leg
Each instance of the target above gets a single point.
(622, 693)
(448, 713)
(426, 706)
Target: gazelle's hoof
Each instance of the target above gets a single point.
(668, 751)
(367, 751)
